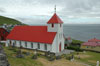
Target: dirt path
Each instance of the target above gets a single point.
(61, 62)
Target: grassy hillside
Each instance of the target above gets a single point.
(6, 20)
(76, 41)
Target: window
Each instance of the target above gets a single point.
(45, 46)
(60, 25)
(20, 43)
(25, 44)
(38, 46)
(4, 32)
(31, 45)
(14, 43)
(52, 25)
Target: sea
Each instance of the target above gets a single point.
(82, 32)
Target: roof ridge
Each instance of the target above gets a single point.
(55, 19)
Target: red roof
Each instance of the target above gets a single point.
(94, 40)
(68, 38)
(55, 19)
(91, 44)
(32, 34)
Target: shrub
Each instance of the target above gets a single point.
(34, 57)
(66, 47)
(74, 48)
(3, 44)
(39, 54)
(68, 57)
(14, 50)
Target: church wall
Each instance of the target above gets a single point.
(59, 38)
(35, 45)
(56, 28)
(54, 45)
(52, 29)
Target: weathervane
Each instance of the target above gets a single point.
(55, 9)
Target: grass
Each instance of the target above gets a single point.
(27, 61)
(6, 20)
(89, 58)
(76, 41)
(86, 58)
(95, 48)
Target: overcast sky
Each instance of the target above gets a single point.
(40, 11)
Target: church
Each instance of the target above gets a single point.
(43, 38)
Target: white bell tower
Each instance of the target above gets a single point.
(55, 24)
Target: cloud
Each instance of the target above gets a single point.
(80, 7)
(35, 19)
(66, 9)
(2, 10)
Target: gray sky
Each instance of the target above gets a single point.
(40, 11)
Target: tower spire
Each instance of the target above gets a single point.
(55, 8)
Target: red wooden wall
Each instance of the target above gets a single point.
(3, 34)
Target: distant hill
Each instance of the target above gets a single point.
(6, 20)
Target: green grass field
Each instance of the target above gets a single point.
(90, 48)
(27, 61)
(89, 58)
(6, 20)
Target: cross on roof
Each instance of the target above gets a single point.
(55, 8)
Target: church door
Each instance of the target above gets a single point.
(60, 47)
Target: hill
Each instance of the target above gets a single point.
(6, 20)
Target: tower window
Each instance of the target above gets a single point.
(60, 25)
(52, 25)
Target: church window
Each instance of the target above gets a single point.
(14, 43)
(60, 25)
(20, 43)
(52, 25)
(25, 44)
(45, 46)
(38, 45)
(31, 45)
